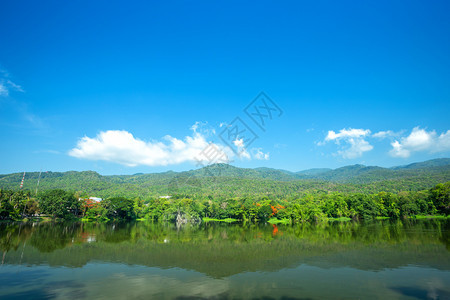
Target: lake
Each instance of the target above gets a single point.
(407, 259)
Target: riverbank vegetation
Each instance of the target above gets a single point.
(313, 206)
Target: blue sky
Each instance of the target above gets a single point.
(126, 87)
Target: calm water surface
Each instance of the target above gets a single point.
(376, 260)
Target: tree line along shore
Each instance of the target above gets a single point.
(311, 206)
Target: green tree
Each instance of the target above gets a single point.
(119, 208)
(59, 204)
(440, 196)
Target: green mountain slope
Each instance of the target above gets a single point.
(224, 181)
(439, 162)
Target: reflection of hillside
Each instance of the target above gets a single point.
(223, 250)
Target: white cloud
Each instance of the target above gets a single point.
(255, 153)
(351, 141)
(356, 149)
(120, 146)
(259, 155)
(203, 128)
(346, 133)
(420, 140)
(238, 142)
(243, 153)
(443, 142)
(384, 134)
(398, 150)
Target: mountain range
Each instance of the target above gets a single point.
(227, 180)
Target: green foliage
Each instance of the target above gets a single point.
(59, 204)
(97, 213)
(223, 182)
(303, 206)
(440, 196)
(309, 207)
(119, 208)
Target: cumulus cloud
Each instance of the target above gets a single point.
(120, 146)
(259, 154)
(357, 148)
(443, 142)
(351, 141)
(243, 153)
(420, 140)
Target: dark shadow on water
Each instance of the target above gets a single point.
(67, 289)
(36, 294)
(419, 293)
(24, 279)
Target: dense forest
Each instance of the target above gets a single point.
(16, 205)
(221, 181)
(225, 192)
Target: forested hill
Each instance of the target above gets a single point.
(222, 180)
